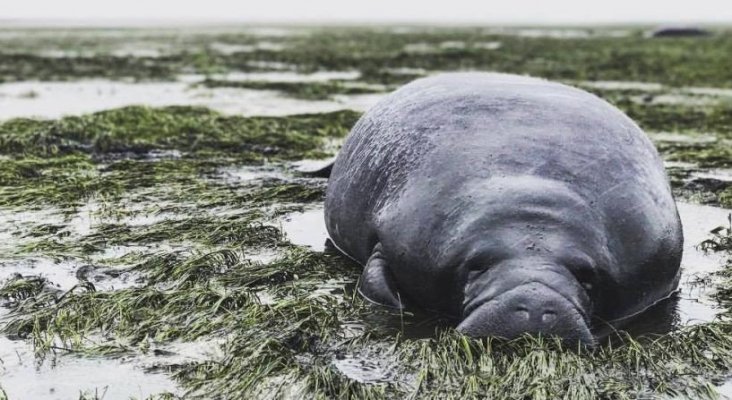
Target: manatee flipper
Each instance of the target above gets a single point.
(321, 170)
(377, 283)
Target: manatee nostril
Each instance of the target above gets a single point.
(548, 316)
(522, 313)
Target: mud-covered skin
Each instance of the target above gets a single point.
(512, 203)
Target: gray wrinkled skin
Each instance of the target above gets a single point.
(514, 204)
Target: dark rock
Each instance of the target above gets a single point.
(679, 31)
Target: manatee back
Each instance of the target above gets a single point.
(443, 131)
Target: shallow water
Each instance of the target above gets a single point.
(559, 33)
(721, 92)
(695, 305)
(364, 369)
(232, 48)
(622, 85)
(65, 376)
(306, 228)
(680, 138)
(250, 174)
(58, 99)
(60, 274)
(720, 174)
(283, 76)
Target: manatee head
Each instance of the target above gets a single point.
(529, 296)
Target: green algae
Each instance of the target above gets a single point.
(680, 118)
(139, 129)
(243, 230)
(705, 156)
(725, 197)
(68, 161)
(18, 289)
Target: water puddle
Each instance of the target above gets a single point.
(364, 369)
(16, 223)
(266, 31)
(695, 305)
(57, 99)
(238, 174)
(279, 76)
(271, 65)
(306, 228)
(360, 102)
(720, 174)
(488, 45)
(60, 274)
(681, 138)
(233, 48)
(407, 71)
(621, 85)
(680, 165)
(64, 271)
(426, 48)
(689, 96)
(725, 390)
(560, 33)
(709, 91)
(65, 376)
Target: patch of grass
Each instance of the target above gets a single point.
(184, 298)
(725, 198)
(721, 238)
(20, 288)
(703, 190)
(714, 155)
(139, 130)
(387, 78)
(242, 230)
(681, 118)
(300, 90)
(68, 161)
(68, 180)
(20, 66)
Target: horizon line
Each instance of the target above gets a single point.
(110, 22)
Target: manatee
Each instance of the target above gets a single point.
(512, 204)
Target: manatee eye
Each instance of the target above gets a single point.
(477, 267)
(483, 262)
(584, 271)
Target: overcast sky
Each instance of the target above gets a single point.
(334, 11)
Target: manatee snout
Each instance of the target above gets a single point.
(534, 308)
